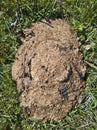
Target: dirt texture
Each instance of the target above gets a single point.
(49, 70)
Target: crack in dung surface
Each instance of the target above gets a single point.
(66, 79)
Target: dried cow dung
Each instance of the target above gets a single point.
(49, 70)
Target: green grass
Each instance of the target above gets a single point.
(82, 15)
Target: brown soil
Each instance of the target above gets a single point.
(49, 70)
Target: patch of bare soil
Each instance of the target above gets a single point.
(49, 70)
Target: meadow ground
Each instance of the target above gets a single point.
(17, 15)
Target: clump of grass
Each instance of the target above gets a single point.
(83, 16)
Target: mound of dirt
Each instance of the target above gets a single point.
(49, 70)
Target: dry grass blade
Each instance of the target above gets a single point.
(91, 65)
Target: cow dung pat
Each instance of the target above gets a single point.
(49, 70)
